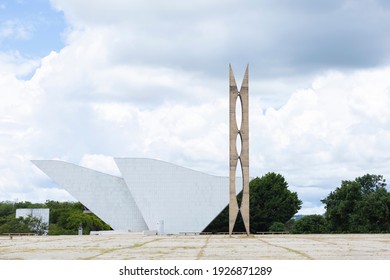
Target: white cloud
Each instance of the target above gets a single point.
(100, 163)
(338, 129)
(18, 102)
(12, 63)
(15, 28)
(173, 132)
(307, 210)
(97, 12)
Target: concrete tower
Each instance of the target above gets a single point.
(239, 150)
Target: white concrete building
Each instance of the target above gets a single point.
(150, 195)
(105, 195)
(41, 213)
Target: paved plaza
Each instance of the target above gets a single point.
(197, 247)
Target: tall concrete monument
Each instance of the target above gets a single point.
(239, 149)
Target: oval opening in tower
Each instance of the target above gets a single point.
(239, 185)
(238, 112)
(238, 144)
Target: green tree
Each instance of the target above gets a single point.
(36, 225)
(88, 221)
(6, 208)
(360, 206)
(277, 227)
(8, 222)
(65, 218)
(289, 225)
(311, 224)
(14, 225)
(270, 201)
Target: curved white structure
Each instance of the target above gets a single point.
(105, 195)
(152, 194)
(185, 200)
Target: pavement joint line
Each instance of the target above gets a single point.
(318, 240)
(134, 246)
(287, 248)
(201, 251)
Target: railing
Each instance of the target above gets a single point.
(12, 234)
(272, 232)
(189, 233)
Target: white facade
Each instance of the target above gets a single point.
(105, 195)
(150, 194)
(40, 213)
(184, 199)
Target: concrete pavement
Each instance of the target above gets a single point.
(198, 247)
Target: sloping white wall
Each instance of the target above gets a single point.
(185, 200)
(105, 195)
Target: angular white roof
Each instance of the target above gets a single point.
(185, 200)
(150, 192)
(105, 195)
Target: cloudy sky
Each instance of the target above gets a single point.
(85, 81)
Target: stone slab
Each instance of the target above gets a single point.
(138, 246)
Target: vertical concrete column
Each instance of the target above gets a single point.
(233, 154)
(242, 157)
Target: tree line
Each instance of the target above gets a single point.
(358, 206)
(65, 218)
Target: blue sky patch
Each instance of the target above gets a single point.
(33, 28)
